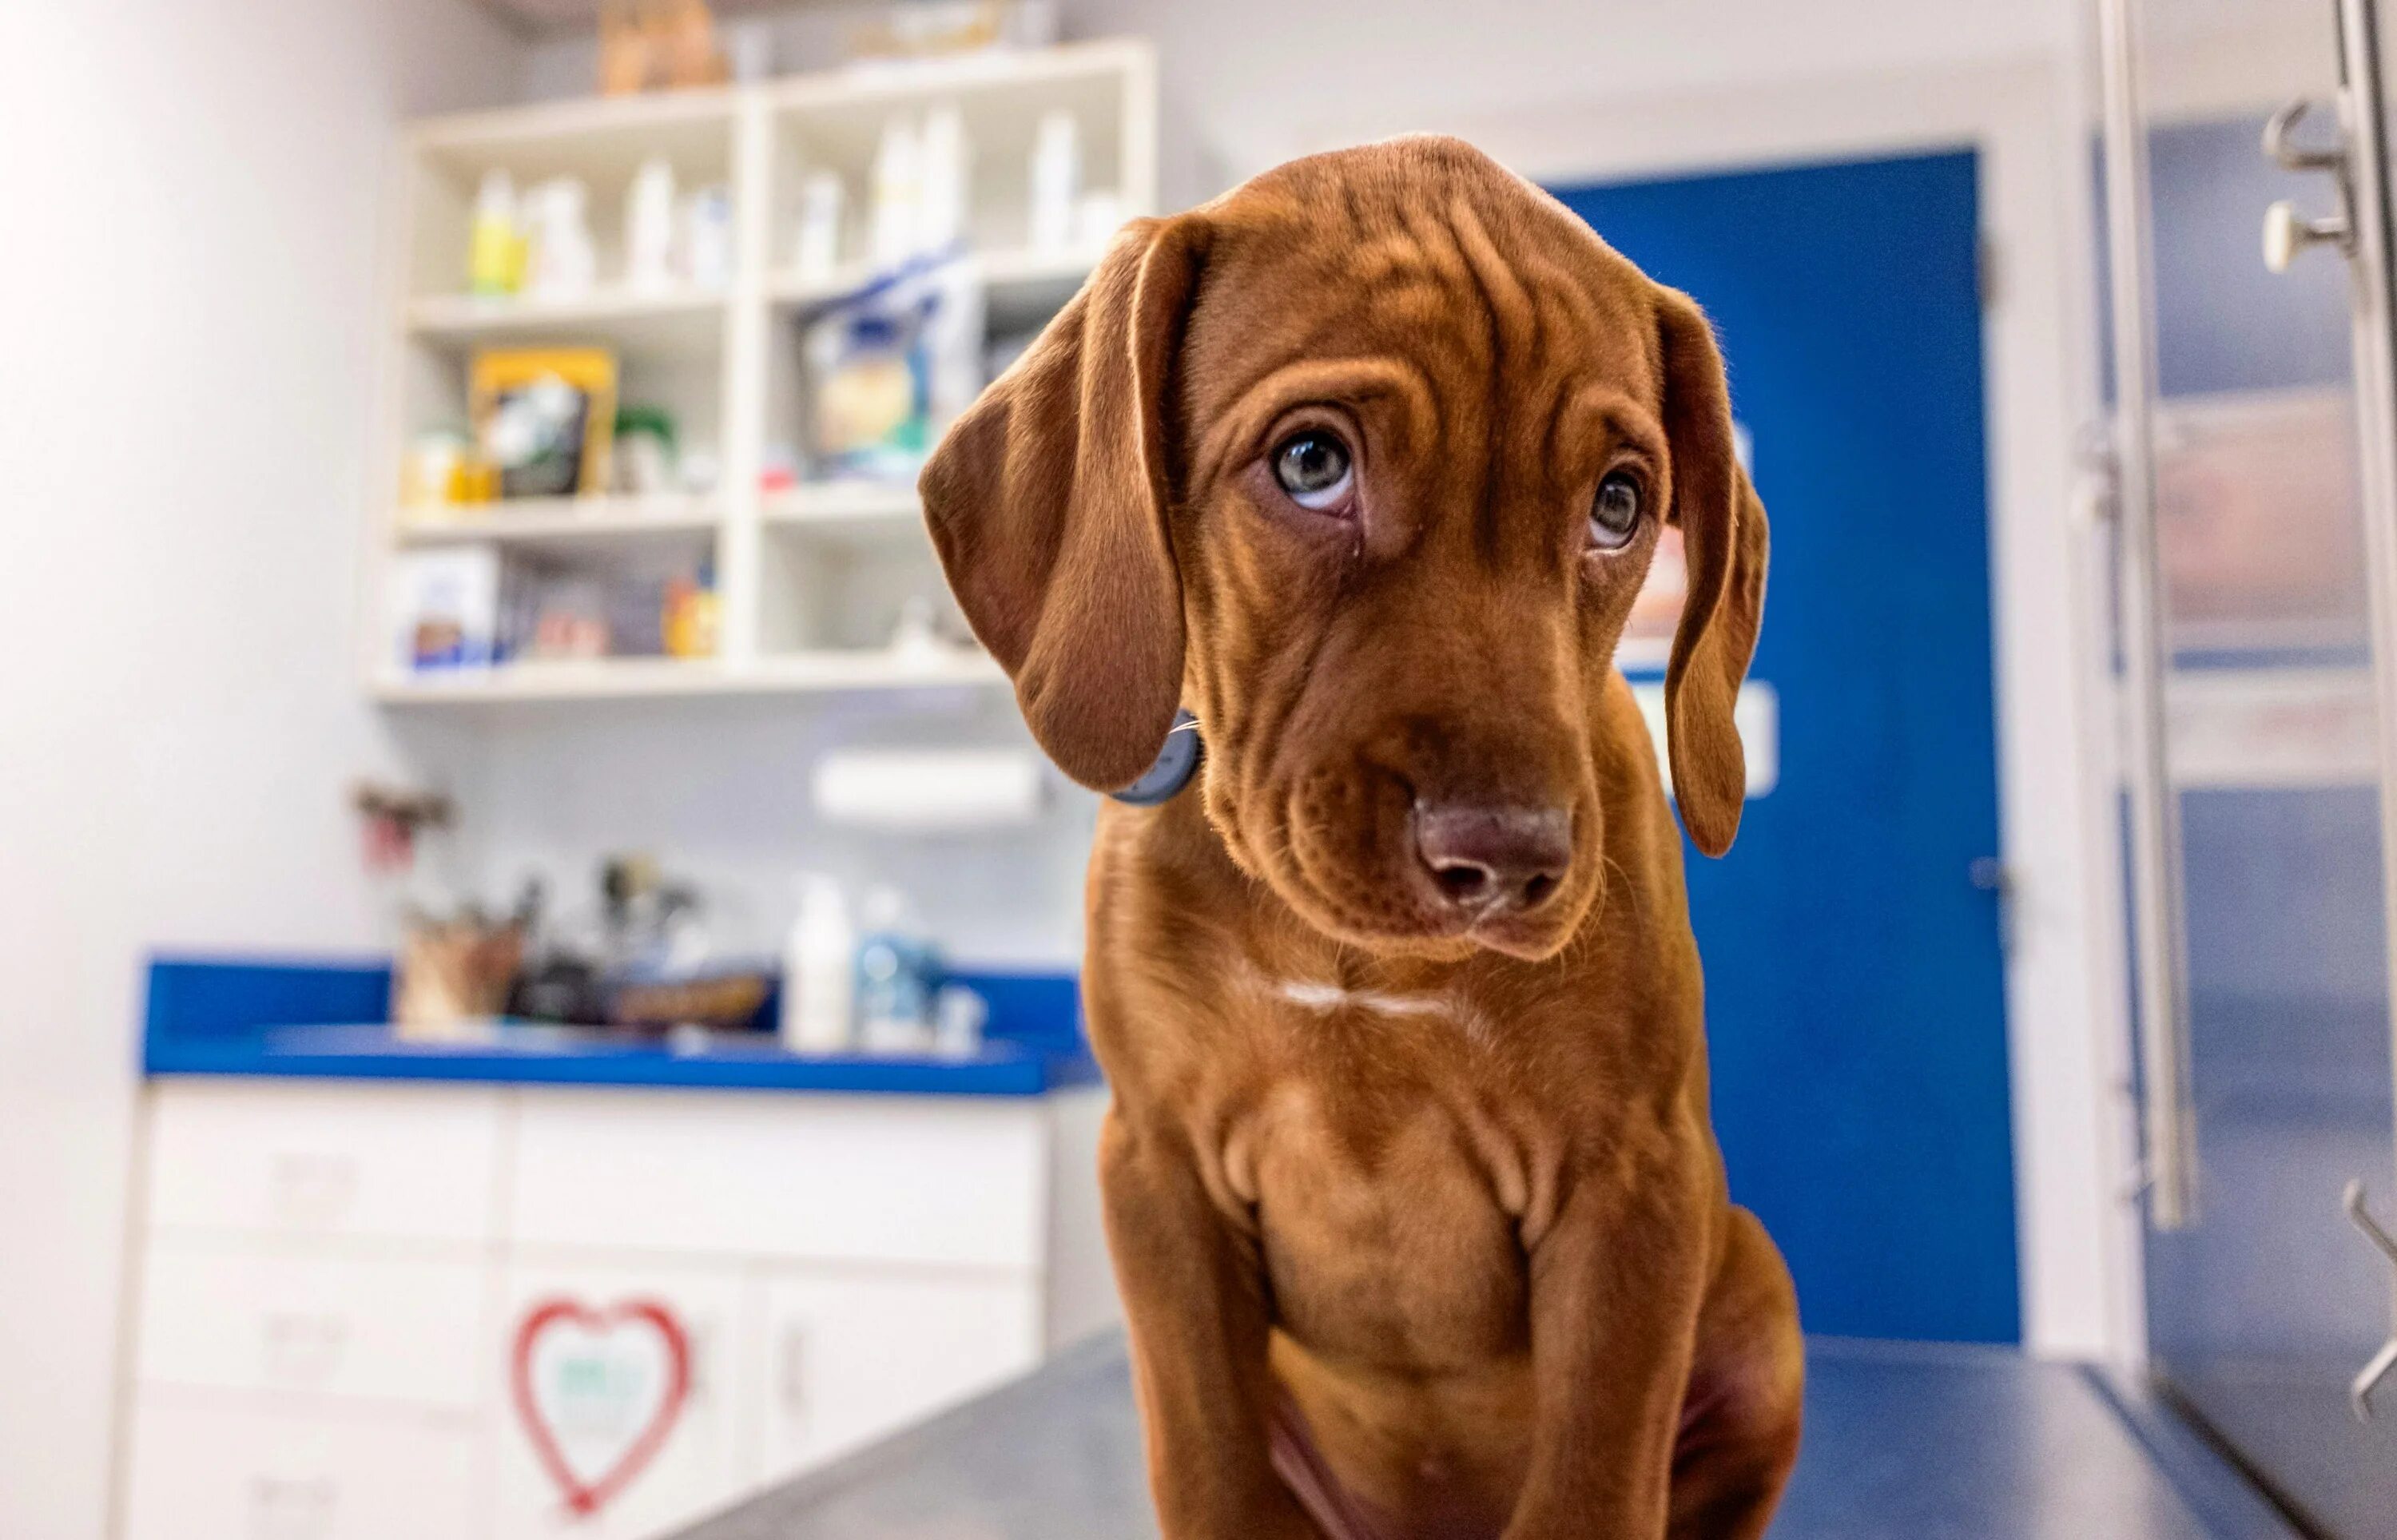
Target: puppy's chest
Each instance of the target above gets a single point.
(1388, 1226)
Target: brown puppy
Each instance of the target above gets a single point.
(1420, 1223)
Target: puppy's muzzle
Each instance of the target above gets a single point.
(1491, 862)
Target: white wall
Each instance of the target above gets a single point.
(717, 789)
(187, 349)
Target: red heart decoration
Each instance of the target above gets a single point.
(582, 1496)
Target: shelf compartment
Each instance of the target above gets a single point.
(602, 142)
(835, 123)
(558, 520)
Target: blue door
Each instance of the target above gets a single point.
(1854, 998)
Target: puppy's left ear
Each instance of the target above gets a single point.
(1048, 501)
(1723, 542)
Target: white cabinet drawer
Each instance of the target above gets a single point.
(898, 1179)
(399, 1161)
(238, 1316)
(214, 1467)
(853, 1358)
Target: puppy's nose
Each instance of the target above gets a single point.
(1497, 859)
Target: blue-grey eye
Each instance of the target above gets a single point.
(1614, 512)
(1315, 468)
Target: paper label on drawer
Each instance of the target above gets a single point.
(598, 1390)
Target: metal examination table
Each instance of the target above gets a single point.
(1903, 1442)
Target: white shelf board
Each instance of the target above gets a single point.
(860, 669)
(1005, 274)
(634, 678)
(592, 136)
(845, 507)
(900, 82)
(555, 519)
(678, 320)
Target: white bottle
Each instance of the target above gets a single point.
(650, 227)
(947, 169)
(707, 237)
(1056, 180)
(898, 177)
(816, 970)
(820, 196)
(561, 260)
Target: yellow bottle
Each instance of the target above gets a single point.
(494, 247)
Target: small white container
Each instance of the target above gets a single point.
(817, 963)
(707, 237)
(818, 252)
(898, 185)
(560, 259)
(1056, 187)
(650, 227)
(945, 172)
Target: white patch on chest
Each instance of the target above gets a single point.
(1331, 999)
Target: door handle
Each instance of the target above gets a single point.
(2280, 141)
(2368, 1378)
(1991, 875)
(794, 1372)
(2287, 233)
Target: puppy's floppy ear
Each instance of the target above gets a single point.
(1048, 502)
(1723, 541)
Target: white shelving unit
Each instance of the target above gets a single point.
(809, 578)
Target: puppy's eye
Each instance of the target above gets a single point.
(1615, 513)
(1314, 468)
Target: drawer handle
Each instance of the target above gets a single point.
(284, 1509)
(304, 1348)
(701, 1337)
(795, 1373)
(313, 1189)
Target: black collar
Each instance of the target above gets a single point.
(1177, 765)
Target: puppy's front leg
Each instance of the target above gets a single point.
(1617, 1284)
(1193, 1300)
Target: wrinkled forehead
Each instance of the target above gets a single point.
(1436, 256)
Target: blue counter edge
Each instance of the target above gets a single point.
(311, 1019)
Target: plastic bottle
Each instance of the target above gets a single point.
(1056, 180)
(707, 237)
(494, 248)
(947, 167)
(819, 246)
(898, 172)
(895, 979)
(650, 226)
(561, 259)
(816, 971)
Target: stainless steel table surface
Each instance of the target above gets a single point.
(1903, 1442)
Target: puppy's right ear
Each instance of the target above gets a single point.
(1048, 501)
(1723, 540)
